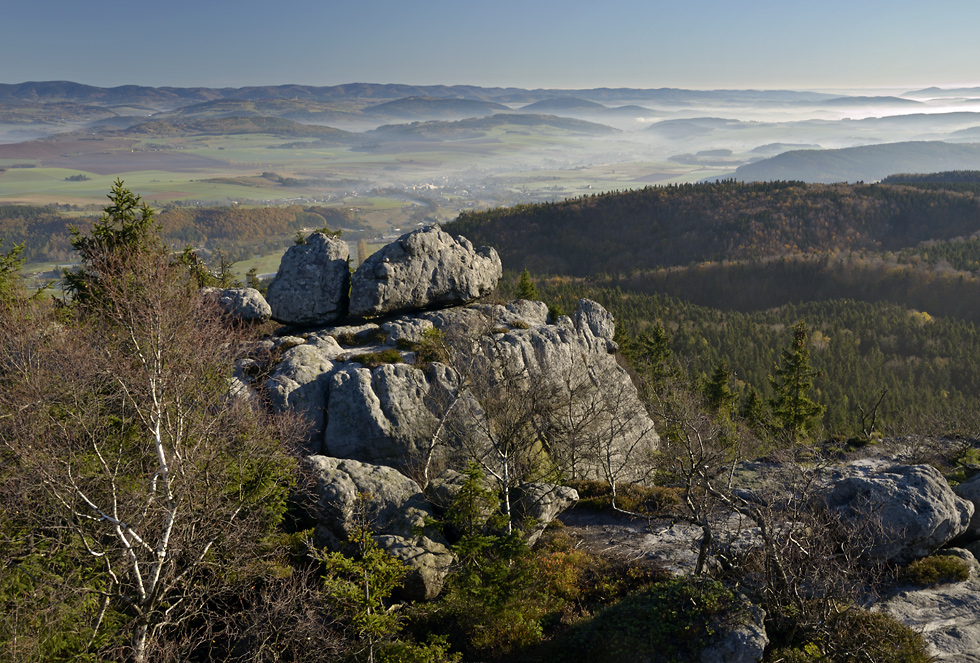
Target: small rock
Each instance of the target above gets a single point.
(244, 304)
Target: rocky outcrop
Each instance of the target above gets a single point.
(243, 304)
(351, 494)
(537, 504)
(300, 383)
(391, 415)
(505, 358)
(946, 615)
(424, 269)
(596, 422)
(970, 491)
(312, 284)
(910, 509)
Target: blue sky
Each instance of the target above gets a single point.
(705, 44)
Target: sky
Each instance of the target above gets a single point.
(696, 44)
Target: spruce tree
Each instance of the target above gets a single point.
(793, 378)
(526, 288)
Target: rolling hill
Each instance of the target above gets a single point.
(221, 126)
(430, 107)
(478, 127)
(867, 163)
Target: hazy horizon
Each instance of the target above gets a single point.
(759, 44)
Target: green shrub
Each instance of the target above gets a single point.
(375, 359)
(431, 348)
(858, 636)
(936, 570)
(406, 345)
(669, 621)
(636, 498)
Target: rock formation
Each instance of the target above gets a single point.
(244, 304)
(970, 491)
(393, 402)
(946, 615)
(916, 509)
(424, 269)
(312, 284)
(352, 494)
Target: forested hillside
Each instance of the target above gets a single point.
(238, 232)
(678, 225)
(885, 276)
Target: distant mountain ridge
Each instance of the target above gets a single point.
(172, 97)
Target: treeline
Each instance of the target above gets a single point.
(238, 232)
(927, 367)
(951, 180)
(615, 233)
(909, 280)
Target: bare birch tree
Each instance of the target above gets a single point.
(122, 420)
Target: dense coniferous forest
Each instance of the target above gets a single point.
(928, 366)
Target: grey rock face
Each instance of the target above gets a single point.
(312, 283)
(537, 504)
(917, 510)
(597, 423)
(424, 269)
(395, 510)
(390, 415)
(245, 304)
(946, 615)
(299, 383)
(387, 415)
(598, 320)
(408, 329)
(970, 491)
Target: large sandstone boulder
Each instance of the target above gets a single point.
(351, 494)
(507, 360)
(537, 504)
(312, 284)
(398, 415)
(910, 509)
(424, 269)
(596, 422)
(244, 304)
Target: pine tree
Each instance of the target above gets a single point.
(526, 288)
(718, 394)
(792, 381)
